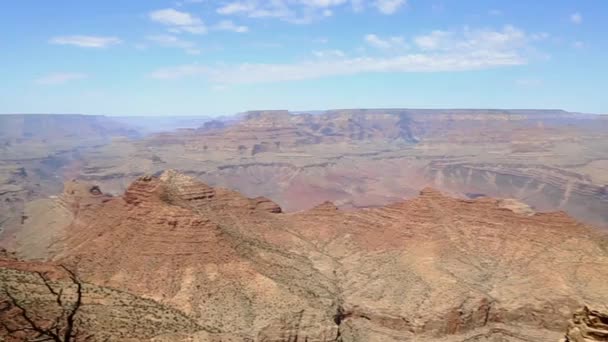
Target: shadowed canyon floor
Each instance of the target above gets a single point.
(222, 266)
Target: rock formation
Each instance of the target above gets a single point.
(549, 160)
(588, 325)
(433, 268)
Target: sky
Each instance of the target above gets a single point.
(205, 57)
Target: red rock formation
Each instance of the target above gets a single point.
(434, 268)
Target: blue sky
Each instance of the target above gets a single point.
(204, 57)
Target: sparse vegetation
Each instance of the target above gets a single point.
(27, 322)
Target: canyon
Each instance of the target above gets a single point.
(551, 160)
(226, 267)
(340, 225)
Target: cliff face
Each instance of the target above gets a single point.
(433, 268)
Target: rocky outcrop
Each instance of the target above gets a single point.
(42, 291)
(433, 268)
(588, 325)
(264, 204)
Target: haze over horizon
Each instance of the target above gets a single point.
(197, 57)
(168, 116)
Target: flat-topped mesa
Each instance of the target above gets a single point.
(268, 115)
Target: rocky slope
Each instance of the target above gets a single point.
(433, 268)
(105, 314)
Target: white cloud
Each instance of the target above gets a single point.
(303, 11)
(178, 21)
(262, 9)
(59, 78)
(228, 25)
(389, 6)
(431, 41)
(495, 12)
(236, 7)
(323, 3)
(509, 38)
(329, 53)
(576, 18)
(85, 41)
(388, 43)
(170, 41)
(452, 51)
(265, 73)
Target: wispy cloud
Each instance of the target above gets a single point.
(329, 53)
(264, 73)
(228, 25)
(178, 21)
(59, 78)
(433, 40)
(576, 18)
(384, 43)
(303, 11)
(170, 41)
(448, 51)
(97, 42)
(509, 38)
(389, 6)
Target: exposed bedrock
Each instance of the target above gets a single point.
(433, 268)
